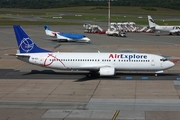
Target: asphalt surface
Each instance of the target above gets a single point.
(33, 92)
(80, 76)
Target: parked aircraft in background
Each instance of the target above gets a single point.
(170, 29)
(60, 36)
(105, 64)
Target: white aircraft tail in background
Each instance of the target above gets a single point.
(170, 29)
(152, 24)
(49, 32)
(105, 64)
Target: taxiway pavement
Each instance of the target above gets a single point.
(32, 92)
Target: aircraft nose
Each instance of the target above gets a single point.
(87, 39)
(171, 64)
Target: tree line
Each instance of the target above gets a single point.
(44, 4)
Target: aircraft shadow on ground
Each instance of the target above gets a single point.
(82, 76)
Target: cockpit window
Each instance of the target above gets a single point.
(163, 59)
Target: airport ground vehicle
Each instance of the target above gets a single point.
(114, 32)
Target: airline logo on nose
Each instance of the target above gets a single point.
(128, 56)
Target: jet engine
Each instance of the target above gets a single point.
(107, 71)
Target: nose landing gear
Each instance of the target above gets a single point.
(156, 73)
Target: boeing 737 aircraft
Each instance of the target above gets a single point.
(60, 36)
(170, 29)
(105, 64)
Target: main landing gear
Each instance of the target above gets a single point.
(93, 74)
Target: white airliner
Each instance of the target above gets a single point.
(105, 64)
(170, 29)
(60, 36)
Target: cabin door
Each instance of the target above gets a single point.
(152, 62)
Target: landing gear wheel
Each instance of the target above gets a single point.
(93, 74)
(89, 75)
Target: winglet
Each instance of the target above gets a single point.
(25, 43)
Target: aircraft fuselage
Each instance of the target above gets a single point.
(94, 61)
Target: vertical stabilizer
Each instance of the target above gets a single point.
(25, 43)
(151, 22)
(48, 31)
(46, 27)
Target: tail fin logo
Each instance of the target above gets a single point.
(151, 20)
(26, 45)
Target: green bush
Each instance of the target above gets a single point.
(148, 8)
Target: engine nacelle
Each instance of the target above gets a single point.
(107, 71)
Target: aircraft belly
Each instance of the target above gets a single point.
(136, 66)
